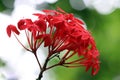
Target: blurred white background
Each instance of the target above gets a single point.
(21, 65)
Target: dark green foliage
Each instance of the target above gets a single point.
(2, 63)
(2, 6)
(106, 31)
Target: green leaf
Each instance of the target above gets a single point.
(2, 6)
(2, 63)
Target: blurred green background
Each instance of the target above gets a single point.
(106, 31)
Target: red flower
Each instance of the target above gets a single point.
(12, 28)
(60, 31)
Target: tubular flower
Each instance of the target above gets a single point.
(60, 31)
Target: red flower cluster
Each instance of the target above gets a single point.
(59, 31)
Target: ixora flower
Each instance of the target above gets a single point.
(65, 37)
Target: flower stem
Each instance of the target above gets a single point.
(38, 61)
(43, 69)
(40, 75)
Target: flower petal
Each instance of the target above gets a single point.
(12, 28)
(23, 23)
